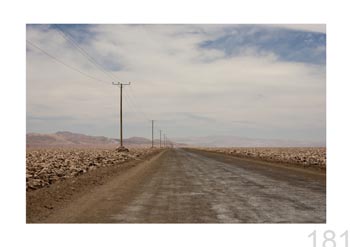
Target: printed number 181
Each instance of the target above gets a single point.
(329, 238)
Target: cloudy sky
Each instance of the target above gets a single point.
(258, 81)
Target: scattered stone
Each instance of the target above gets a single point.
(304, 156)
(47, 166)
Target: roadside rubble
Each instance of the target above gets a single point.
(306, 157)
(46, 166)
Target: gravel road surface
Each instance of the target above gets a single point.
(195, 186)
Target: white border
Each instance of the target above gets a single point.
(14, 16)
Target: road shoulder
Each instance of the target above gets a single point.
(43, 203)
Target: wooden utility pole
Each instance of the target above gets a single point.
(164, 140)
(121, 147)
(152, 132)
(160, 138)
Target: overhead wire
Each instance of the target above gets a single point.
(129, 96)
(82, 51)
(70, 39)
(63, 63)
(135, 106)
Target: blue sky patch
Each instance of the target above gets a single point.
(286, 44)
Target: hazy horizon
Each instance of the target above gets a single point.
(200, 140)
(253, 81)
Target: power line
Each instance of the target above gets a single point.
(130, 106)
(129, 97)
(70, 39)
(136, 107)
(140, 108)
(63, 63)
(82, 51)
(127, 100)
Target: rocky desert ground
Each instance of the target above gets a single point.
(303, 156)
(47, 166)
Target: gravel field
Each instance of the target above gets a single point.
(46, 166)
(306, 157)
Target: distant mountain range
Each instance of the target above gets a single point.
(234, 141)
(67, 139)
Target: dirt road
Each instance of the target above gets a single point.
(181, 185)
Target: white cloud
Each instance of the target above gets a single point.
(172, 78)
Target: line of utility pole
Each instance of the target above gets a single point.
(121, 148)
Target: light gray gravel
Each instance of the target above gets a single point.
(303, 156)
(192, 187)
